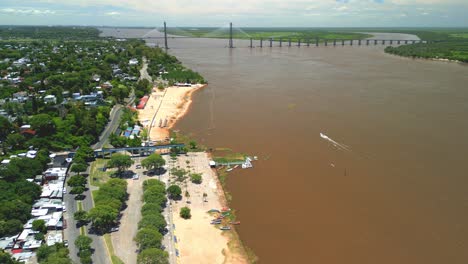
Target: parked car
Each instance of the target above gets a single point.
(65, 243)
(64, 190)
(135, 176)
(138, 166)
(114, 229)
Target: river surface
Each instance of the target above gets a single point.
(363, 155)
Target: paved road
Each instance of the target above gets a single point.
(72, 232)
(144, 71)
(114, 120)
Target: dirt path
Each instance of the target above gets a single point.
(124, 246)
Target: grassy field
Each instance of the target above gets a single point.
(265, 33)
(97, 176)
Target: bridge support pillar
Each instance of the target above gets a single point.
(289, 42)
(231, 43)
(316, 42)
(334, 42)
(398, 42)
(375, 42)
(406, 42)
(359, 42)
(261, 43)
(383, 42)
(391, 42)
(280, 42)
(298, 42)
(251, 46)
(165, 37)
(367, 42)
(326, 42)
(351, 42)
(342, 42)
(271, 42)
(308, 42)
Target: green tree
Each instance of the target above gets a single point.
(121, 162)
(79, 167)
(39, 225)
(154, 220)
(76, 180)
(86, 152)
(5, 128)
(148, 238)
(153, 162)
(15, 141)
(83, 242)
(43, 124)
(78, 190)
(39, 236)
(196, 178)
(6, 258)
(120, 92)
(149, 208)
(193, 144)
(81, 217)
(102, 217)
(185, 213)
(174, 192)
(153, 256)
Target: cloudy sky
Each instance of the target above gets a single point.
(254, 13)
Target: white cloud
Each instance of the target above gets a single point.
(29, 11)
(113, 13)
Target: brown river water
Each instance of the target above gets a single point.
(385, 182)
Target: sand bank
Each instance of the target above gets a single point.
(197, 240)
(164, 108)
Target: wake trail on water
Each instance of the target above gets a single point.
(336, 144)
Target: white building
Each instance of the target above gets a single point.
(50, 99)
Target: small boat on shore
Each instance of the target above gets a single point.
(225, 209)
(215, 222)
(230, 169)
(225, 228)
(235, 167)
(235, 223)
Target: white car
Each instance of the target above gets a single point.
(64, 190)
(135, 176)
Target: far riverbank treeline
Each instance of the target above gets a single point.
(450, 44)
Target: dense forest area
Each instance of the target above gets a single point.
(451, 44)
(17, 194)
(45, 32)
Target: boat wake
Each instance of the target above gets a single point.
(336, 144)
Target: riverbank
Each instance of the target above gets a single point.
(197, 240)
(164, 108)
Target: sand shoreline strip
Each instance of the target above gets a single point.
(172, 104)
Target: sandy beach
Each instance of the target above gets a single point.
(164, 108)
(197, 240)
